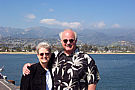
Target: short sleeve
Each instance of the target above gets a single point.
(93, 73)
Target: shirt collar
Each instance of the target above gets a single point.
(76, 50)
(40, 69)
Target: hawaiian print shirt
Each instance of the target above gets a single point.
(74, 72)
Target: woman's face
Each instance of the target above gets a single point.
(44, 55)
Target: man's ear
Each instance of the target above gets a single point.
(61, 41)
(76, 40)
(37, 54)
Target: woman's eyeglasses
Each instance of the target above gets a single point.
(42, 54)
(70, 40)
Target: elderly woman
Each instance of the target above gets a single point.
(40, 77)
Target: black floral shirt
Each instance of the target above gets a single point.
(74, 72)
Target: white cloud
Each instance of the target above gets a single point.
(49, 21)
(71, 24)
(115, 26)
(99, 25)
(51, 10)
(64, 24)
(30, 16)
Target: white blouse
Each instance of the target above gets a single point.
(48, 80)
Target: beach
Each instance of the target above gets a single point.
(17, 52)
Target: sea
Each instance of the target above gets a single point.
(117, 71)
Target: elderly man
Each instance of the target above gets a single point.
(71, 68)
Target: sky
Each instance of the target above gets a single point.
(76, 14)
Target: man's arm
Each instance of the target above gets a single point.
(92, 87)
(26, 71)
(93, 74)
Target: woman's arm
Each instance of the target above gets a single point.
(25, 82)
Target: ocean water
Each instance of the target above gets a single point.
(117, 71)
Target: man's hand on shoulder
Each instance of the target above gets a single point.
(26, 71)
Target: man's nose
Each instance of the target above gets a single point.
(68, 42)
(44, 55)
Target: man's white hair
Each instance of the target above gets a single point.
(60, 34)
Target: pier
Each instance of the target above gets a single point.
(5, 85)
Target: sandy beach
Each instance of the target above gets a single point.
(17, 52)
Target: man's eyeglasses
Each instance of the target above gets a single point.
(70, 40)
(42, 54)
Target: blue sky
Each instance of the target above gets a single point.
(98, 14)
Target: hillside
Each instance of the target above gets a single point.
(100, 37)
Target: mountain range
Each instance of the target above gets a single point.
(91, 36)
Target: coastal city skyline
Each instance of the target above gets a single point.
(76, 14)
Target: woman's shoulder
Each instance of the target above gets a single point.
(33, 67)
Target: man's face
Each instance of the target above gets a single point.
(43, 55)
(68, 41)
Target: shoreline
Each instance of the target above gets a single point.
(17, 52)
(35, 53)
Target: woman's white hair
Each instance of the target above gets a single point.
(60, 34)
(43, 45)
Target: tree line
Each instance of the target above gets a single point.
(82, 47)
